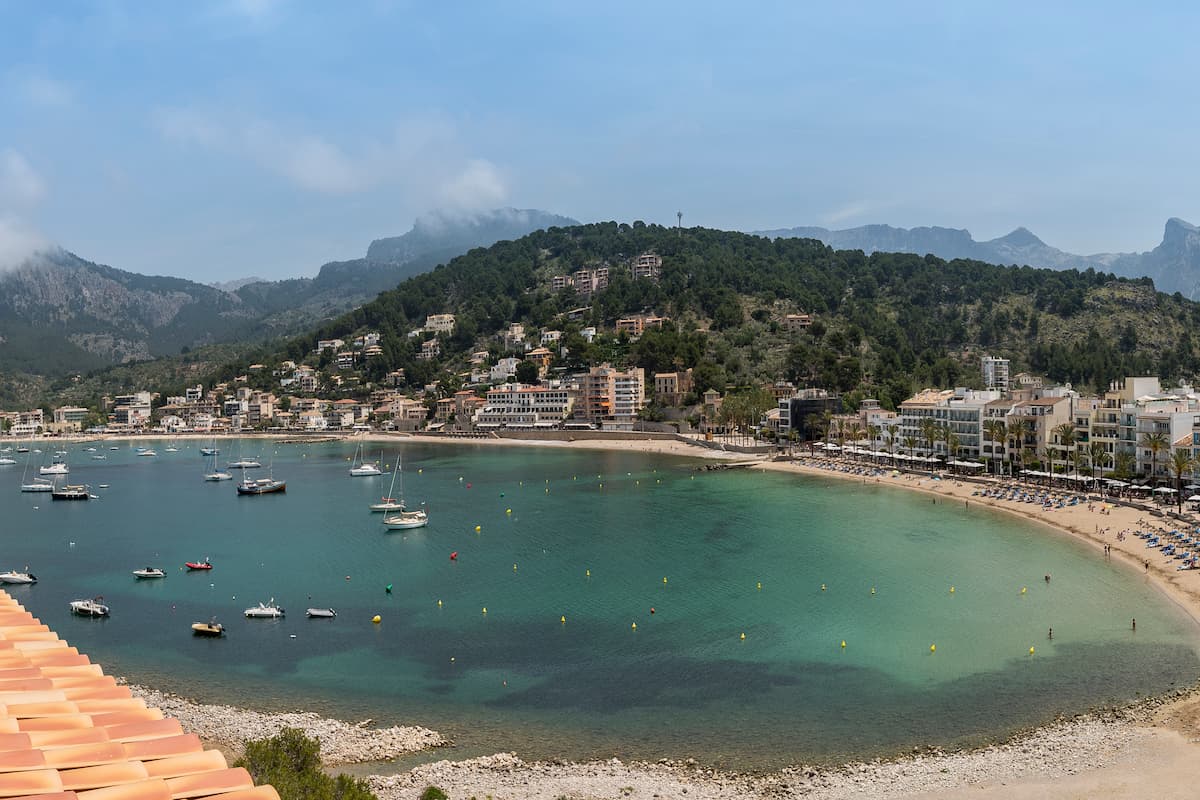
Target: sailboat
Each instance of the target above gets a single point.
(211, 450)
(214, 474)
(267, 485)
(390, 503)
(243, 463)
(405, 520)
(361, 469)
(38, 484)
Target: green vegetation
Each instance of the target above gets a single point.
(884, 324)
(291, 762)
(433, 793)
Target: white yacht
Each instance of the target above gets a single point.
(406, 520)
(57, 468)
(12, 576)
(89, 608)
(264, 611)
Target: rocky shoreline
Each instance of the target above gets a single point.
(341, 742)
(1063, 748)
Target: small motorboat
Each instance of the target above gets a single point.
(99, 457)
(6, 461)
(57, 468)
(13, 576)
(244, 463)
(210, 628)
(195, 565)
(209, 451)
(320, 613)
(218, 476)
(114, 447)
(149, 572)
(264, 611)
(150, 453)
(89, 608)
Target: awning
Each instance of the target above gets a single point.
(1165, 490)
(972, 464)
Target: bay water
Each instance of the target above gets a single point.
(617, 587)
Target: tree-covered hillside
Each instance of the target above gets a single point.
(884, 324)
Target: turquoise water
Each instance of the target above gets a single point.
(684, 683)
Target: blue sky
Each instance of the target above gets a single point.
(214, 140)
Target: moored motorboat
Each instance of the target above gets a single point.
(150, 572)
(197, 565)
(89, 608)
(57, 468)
(147, 453)
(12, 576)
(264, 611)
(243, 463)
(320, 613)
(209, 451)
(38, 485)
(210, 628)
(217, 476)
(70, 492)
(5, 461)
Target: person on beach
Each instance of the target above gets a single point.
(1050, 634)
(1133, 624)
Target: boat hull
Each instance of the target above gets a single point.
(210, 629)
(274, 487)
(406, 521)
(320, 613)
(88, 608)
(17, 578)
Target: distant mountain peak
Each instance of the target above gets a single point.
(1020, 237)
(458, 231)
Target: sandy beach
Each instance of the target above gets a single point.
(1147, 750)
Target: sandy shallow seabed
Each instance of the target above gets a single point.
(1147, 751)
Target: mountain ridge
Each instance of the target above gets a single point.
(1173, 265)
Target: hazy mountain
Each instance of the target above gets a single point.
(60, 313)
(447, 232)
(1174, 265)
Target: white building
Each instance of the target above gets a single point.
(440, 323)
(516, 406)
(995, 373)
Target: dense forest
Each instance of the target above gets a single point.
(884, 324)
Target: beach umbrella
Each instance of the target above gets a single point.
(1165, 490)
(1194, 498)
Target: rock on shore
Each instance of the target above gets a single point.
(341, 742)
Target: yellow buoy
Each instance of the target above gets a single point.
(1022, 590)
(634, 626)
(485, 609)
(822, 587)
(588, 573)
(843, 644)
(377, 619)
(951, 590)
(664, 578)
(872, 590)
(478, 528)
(508, 511)
(933, 648)
(743, 636)
(419, 471)
(563, 619)
(760, 586)
(1031, 651)
(514, 567)
(439, 603)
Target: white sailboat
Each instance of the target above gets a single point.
(405, 520)
(214, 474)
(37, 484)
(390, 503)
(363, 469)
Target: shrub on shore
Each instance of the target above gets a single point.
(291, 762)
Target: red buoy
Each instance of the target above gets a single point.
(454, 556)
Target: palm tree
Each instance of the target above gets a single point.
(1066, 442)
(854, 433)
(889, 437)
(910, 442)
(1018, 429)
(1098, 455)
(1124, 464)
(841, 435)
(929, 432)
(993, 431)
(952, 442)
(1155, 442)
(1181, 462)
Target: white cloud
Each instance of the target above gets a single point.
(478, 185)
(44, 91)
(421, 156)
(20, 185)
(18, 242)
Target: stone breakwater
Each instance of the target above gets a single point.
(341, 742)
(1063, 748)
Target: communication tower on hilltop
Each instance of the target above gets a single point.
(679, 223)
